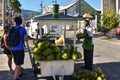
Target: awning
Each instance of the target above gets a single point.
(50, 17)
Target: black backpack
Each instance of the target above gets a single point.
(13, 38)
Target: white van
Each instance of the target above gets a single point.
(32, 27)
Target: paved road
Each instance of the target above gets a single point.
(106, 56)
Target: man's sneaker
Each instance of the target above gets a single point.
(11, 71)
(22, 76)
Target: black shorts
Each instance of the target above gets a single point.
(7, 51)
(18, 57)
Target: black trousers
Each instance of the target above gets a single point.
(88, 58)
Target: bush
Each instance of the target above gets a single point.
(109, 19)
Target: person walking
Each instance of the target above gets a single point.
(88, 45)
(18, 51)
(7, 49)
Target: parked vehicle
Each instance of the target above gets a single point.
(118, 31)
(33, 29)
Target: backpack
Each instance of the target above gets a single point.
(2, 43)
(13, 38)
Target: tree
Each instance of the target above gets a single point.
(109, 19)
(13, 7)
(15, 4)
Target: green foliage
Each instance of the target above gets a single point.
(50, 57)
(109, 19)
(15, 5)
(89, 75)
(79, 36)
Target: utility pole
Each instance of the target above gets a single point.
(54, 1)
(3, 13)
(79, 7)
(79, 10)
(41, 6)
(22, 14)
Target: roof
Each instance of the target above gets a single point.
(50, 17)
(68, 5)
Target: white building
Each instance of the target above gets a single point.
(114, 4)
(77, 7)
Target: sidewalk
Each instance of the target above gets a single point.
(114, 40)
(5, 75)
(4, 70)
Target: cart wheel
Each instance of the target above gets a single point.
(36, 71)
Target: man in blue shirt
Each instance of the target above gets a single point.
(18, 51)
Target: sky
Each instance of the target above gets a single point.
(35, 4)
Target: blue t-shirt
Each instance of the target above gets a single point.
(23, 32)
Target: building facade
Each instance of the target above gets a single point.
(77, 7)
(113, 4)
(0, 11)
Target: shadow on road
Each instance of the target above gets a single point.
(111, 70)
(5, 75)
(71, 41)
